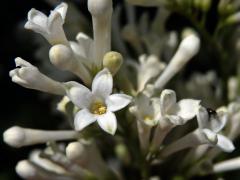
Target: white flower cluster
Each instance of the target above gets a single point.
(155, 110)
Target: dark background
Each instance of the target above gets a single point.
(29, 108)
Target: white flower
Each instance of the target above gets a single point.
(178, 113)
(30, 77)
(98, 104)
(50, 27)
(146, 110)
(210, 123)
(149, 68)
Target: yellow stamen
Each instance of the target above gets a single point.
(98, 108)
(148, 118)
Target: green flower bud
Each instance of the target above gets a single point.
(113, 61)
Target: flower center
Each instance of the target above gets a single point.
(148, 118)
(98, 108)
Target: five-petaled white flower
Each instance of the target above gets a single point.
(210, 123)
(98, 104)
(178, 113)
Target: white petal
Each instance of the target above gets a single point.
(78, 94)
(176, 120)
(116, 102)
(224, 143)
(37, 21)
(186, 108)
(108, 122)
(102, 83)
(22, 63)
(210, 136)
(167, 100)
(37, 17)
(86, 44)
(202, 118)
(62, 10)
(82, 119)
(218, 123)
(55, 22)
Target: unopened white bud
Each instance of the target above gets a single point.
(101, 11)
(14, 136)
(76, 152)
(113, 61)
(228, 165)
(26, 170)
(99, 7)
(188, 48)
(19, 137)
(63, 58)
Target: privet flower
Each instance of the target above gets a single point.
(30, 77)
(49, 27)
(149, 67)
(147, 112)
(97, 105)
(178, 113)
(173, 113)
(210, 124)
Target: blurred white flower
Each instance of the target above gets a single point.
(148, 68)
(98, 104)
(210, 123)
(178, 113)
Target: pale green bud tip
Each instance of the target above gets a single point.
(60, 55)
(14, 136)
(99, 7)
(113, 61)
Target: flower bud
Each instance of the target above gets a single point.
(26, 170)
(19, 137)
(99, 7)
(101, 11)
(14, 136)
(228, 165)
(76, 152)
(62, 57)
(188, 48)
(113, 61)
